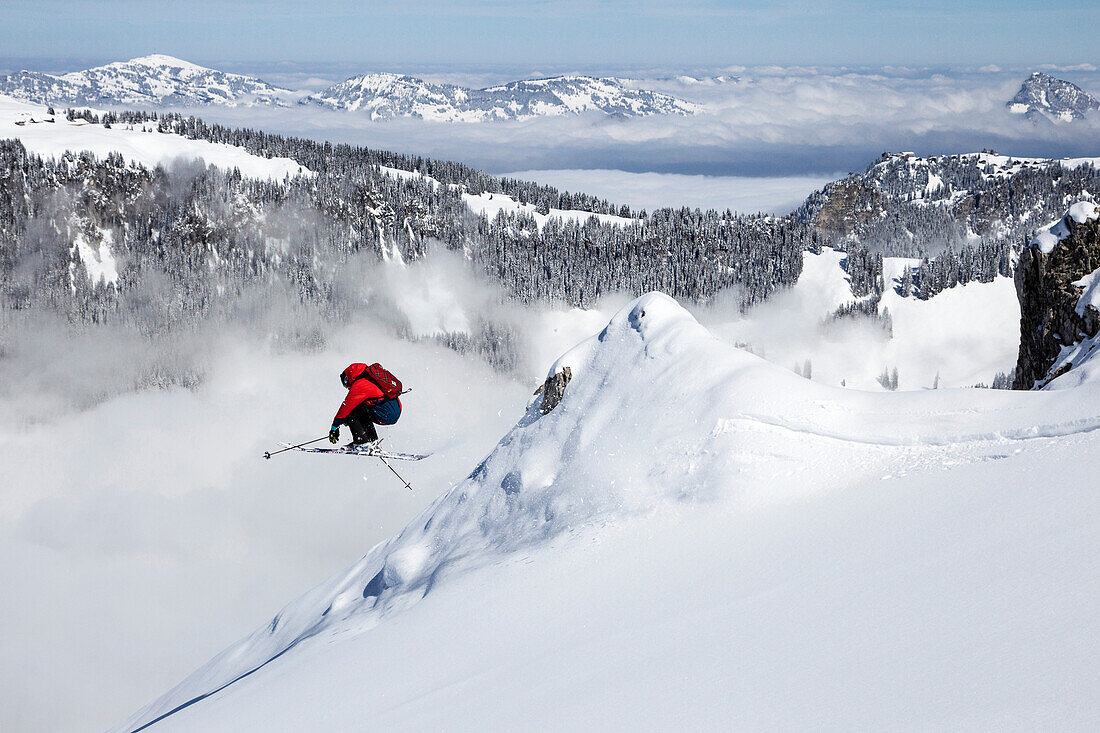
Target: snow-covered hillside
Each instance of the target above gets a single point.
(694, 538)
(51, 136)
(385, 96)
(156, 80)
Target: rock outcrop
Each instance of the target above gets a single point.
(1049, 279)
(553, 389)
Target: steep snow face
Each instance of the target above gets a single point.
(386, 96)
(155, 80)
(1042, 96)
(51, 136)
(501, 600)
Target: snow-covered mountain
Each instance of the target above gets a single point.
(1042, 96)
(954, 199)
(155, 80)
(386, 96)
(742, 549)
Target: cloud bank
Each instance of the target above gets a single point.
(759, 122)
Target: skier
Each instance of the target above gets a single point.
(365, 406)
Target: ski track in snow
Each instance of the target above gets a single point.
(660, 419)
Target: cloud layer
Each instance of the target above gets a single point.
(759, 122)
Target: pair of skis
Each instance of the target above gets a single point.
(352, 449)
(361, 450)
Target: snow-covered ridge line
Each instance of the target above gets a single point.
(156, 80)
(51, 136)
(164, 81)
(387, 96)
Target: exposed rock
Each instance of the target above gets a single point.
(553, 389)
(851, 203)
(1050, 316)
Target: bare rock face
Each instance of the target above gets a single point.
(851, 203)
(1049, 314)
(553, 389)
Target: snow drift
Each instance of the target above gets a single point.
(681, 450)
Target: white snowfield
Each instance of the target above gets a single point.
(146, 147)
(695, 539)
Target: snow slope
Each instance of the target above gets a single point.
(143, 146)
(696, 539)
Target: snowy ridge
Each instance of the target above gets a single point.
(157, 80)
(387, 96)
(719, 425)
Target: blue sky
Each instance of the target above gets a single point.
(587, 34)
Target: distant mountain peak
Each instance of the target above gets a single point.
(156, 80)
(387, 95)
(1043, 96)
(160, 59)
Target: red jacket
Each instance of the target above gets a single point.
(359, 391)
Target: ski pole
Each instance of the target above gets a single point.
(268, 454)
(395, 473)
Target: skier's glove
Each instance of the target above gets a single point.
(334, 434)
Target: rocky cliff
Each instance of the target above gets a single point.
(1054, 280)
